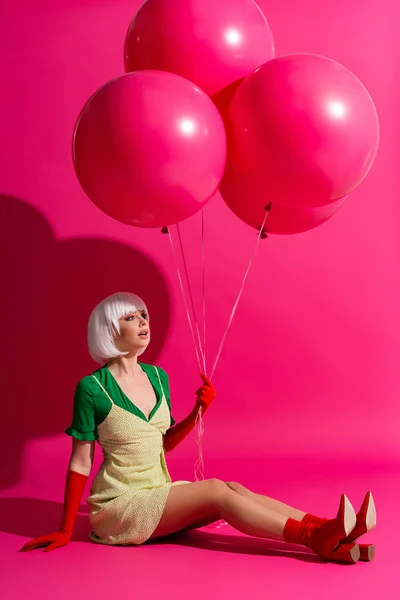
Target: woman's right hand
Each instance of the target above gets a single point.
(50, 542)
(74, 486)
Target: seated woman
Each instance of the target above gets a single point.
(125, 406)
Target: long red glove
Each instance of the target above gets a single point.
(74, 486)
(205, 396)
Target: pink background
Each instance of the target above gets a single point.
(308, 388)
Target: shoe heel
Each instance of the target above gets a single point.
(367, 552)
(345, 553)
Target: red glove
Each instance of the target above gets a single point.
(206, 394)
(177, 433)
(74, 486)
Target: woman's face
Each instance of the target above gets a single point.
(134, 332)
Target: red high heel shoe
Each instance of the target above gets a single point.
(366, 518)
(325, 540)
(365, 521)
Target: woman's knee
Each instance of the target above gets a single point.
(236, 487)
(218, 490)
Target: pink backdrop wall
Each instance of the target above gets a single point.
(310, 367)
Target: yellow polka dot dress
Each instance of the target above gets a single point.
(130, 490)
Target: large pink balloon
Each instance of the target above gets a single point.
(149, 148)
(212, 43)
(303, 130)
(250, 208)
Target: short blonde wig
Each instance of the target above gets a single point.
(103, 324)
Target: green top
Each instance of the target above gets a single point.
(91, 405)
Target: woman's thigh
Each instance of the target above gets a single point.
(191, 505)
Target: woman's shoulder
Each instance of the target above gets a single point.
(88, 383)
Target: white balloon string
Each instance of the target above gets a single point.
(203, 254)
(200, 462)
(166, 230)
(199, 465)
(191, 299)
(260, 235)
(198, 345)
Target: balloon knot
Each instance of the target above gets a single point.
(268, 207)
(165, 230)
(263, 235)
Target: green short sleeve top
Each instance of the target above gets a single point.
(91, 405)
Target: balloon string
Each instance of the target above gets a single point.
(199, 465)
(166, 230)
(191, 299)
(261, 235)
(203, 255)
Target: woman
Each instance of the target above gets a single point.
(125, 406)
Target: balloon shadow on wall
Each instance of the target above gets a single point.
(48, 291)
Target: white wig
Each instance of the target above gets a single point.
(103, 324)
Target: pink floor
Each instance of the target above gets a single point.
(213, 563)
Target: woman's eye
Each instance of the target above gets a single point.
(130, 318)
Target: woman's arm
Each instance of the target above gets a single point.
(79, 468)
(82, 457)
(177, 433)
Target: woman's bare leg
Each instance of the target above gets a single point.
(207, 501)
(280, 507)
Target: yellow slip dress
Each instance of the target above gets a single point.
(130, 490)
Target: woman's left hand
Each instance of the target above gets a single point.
(205, 394)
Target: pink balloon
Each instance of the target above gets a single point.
(303, 130)
(250, 208)
(211, 43)
(149, 148)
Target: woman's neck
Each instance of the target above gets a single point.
(125, 365)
